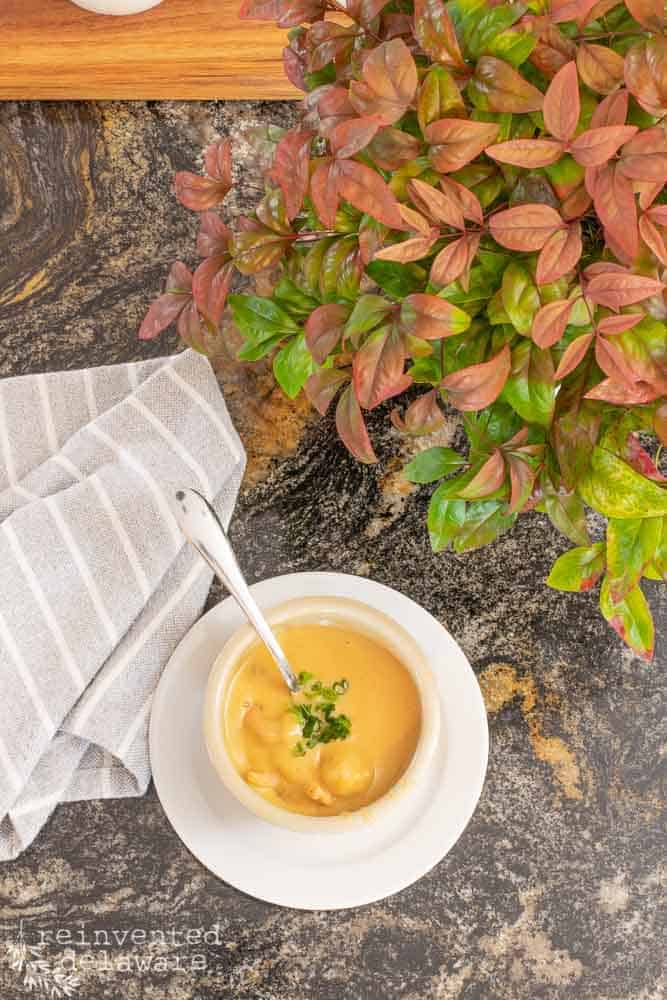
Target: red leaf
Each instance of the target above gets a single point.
(210, 285)
(324, 194)
(388, 85)
(613, 110)
(455, 260)
(490, 478)
(639, 459)
(415, 220)
(650, 13)
(377, 368)
(327, 41)
(559, 254)
(597, 145)
(503, 89)
(352, 428)
(653, 238)
(617, 290)
(525, 227)
(324, 328)
(422, 416)
(617, 324)
(290, 169)
(166, 308)
(435, 33)
(467, 200)
(553, 49)
(528, 153)
(179, 279)
(550, 322)
(570, 10)
(188, 326)
(213, 236)
(561, 106)
(365, 189)
(437, 205)
(620, 394)
(644, 158)
(616, 208)
(391, 148)
(648, 192)
(660, 423)
(198, 193)
(333, 107)
(478, 386)
(218, 161)
(294, 68)
(351, 136)
(573, 355)
(322, 386)
(161, 313)
(522, 479)
(455, 142)
(576, 204)
(430, 317)
(612, 362)
(646, 74)
(603, 267)
(600, 68)
(409, 250)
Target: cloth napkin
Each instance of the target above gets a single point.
(97, 584)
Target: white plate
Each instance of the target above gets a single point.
(301, 870)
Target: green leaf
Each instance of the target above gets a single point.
(485, 521)
(426, 370)
(530, 389)
(520, 298)
(566, 512)
(397, 280)
(630, 618)
(293, 365)
(369, 311)
(445, 518)
(480, 31)
(254, 351)
(613, 488)
(512, 46)
(579, 569)
(260, 318)
(432, 464)
(293, 299)
(631, 546)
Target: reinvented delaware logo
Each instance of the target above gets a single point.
(38, 974)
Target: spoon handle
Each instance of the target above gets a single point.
(201, 526)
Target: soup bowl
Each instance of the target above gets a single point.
(377, 626)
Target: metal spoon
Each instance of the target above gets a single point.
(201, 526)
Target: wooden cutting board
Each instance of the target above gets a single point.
(182, 49)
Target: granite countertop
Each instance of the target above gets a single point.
(554, 890)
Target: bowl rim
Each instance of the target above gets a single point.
(385, 630)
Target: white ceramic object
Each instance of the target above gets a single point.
(359, 617)
(117, 7)
(299, 868)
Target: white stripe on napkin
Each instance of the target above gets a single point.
(98, 585)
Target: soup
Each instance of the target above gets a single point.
(264, 724)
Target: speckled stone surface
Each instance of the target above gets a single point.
(556, 889)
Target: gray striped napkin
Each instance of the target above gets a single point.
(97, 586)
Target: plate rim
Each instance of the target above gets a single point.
(301, 579)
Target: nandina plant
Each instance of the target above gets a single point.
(472, 204)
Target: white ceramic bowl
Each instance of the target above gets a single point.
(118, 7)
(360, 617)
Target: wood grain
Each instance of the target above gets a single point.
(183, 49)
